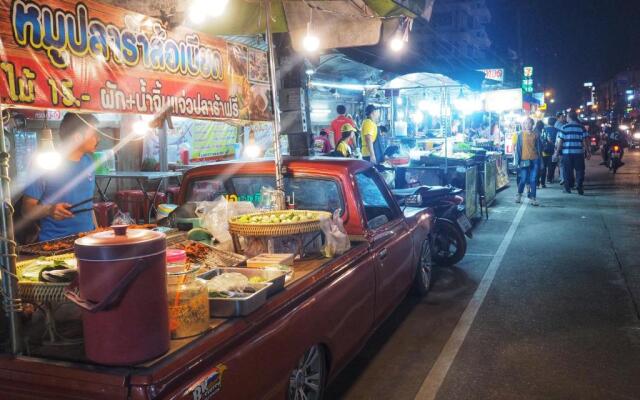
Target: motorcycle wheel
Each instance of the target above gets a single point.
(449, 243)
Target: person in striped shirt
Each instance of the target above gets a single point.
(572, 142)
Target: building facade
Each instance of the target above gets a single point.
(619, 93)
(457, 30)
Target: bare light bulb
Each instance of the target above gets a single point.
(140, 128)
(198, 10)
(47, 157)
(217, 8)
(396, 44)
(311, 43)
(252, 151)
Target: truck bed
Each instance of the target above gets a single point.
(65, 373)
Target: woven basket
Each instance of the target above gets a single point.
(274, 230)
(42, 292)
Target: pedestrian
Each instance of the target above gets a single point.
(369, 135)
(572, 144)
(560, 122)
(549, 136)
(343, 148)
(49, 197)
(540, 176)
(527, 154)
(336, 124)
(321, 143)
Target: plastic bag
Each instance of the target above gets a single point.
(214, 216)
(337, 239)
(122, 218)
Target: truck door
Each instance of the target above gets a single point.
(390, 241)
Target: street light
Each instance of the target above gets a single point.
(547, 94)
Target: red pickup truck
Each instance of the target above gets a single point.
(299, 340)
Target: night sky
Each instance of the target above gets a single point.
(568, 42)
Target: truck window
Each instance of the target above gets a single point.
(377, 207)
(314, 194)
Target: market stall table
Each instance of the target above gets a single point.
(141, 178)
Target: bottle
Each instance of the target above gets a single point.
(187, 295)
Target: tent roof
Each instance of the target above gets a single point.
(422, 80)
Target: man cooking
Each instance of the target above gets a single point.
(50, 196)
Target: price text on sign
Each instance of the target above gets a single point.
(92, 56)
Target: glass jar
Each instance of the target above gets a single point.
(187, 295)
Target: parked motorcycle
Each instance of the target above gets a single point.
(451, 222)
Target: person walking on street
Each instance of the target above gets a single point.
(572, 142)
(560, 123)
(541, 174)
(549, 136)
(527, 158)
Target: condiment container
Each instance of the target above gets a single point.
(122, 291)
(187, 296)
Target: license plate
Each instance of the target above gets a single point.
(464, 223)
(615, 155)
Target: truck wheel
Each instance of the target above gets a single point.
(449, 244)
(422, 280)
(308, 378)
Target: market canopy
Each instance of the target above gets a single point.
(422, 80)
(338, 24)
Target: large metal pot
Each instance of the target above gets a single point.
(123, 294)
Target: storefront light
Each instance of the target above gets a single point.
(417, 117)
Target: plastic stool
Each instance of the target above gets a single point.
(105, 211)
(172, 194)
(132, 202)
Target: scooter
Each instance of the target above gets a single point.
(615, 155)
(593, 142)
(449, 243)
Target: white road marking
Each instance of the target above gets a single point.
(433, 381)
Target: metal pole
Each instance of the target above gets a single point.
(276, 112)
(11, 302)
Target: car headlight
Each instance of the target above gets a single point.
(624, 127)
(636, 135)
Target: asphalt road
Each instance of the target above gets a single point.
(544, 306)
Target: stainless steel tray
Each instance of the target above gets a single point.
(276, 278)
(221, 307)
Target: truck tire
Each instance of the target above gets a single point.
(308, 378)
(449, 243)
(422, 279)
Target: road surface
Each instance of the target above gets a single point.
(544, 306)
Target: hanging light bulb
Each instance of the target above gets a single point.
(396, 44)
(140, 129)
(47, 157)
(199, 10)
(311, 43)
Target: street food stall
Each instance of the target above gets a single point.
(429, 113)
(160, 302)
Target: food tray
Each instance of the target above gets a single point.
(210, 257)
(276, 278)
(281, 229)
(220, 307)
(42, 292)
(67, 242)
(37, 249)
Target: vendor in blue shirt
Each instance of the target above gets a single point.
(50, 196)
